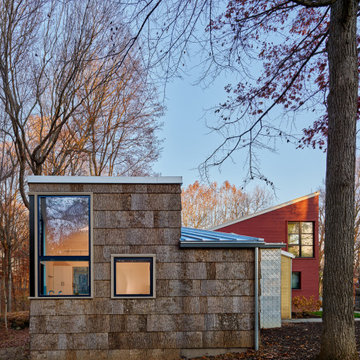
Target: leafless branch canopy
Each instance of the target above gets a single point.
(56, 56)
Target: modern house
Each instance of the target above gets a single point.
(113, 275)
(294, 223)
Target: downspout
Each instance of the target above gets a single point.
(256, 295)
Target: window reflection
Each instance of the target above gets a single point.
(63, 244)
(296, 280)
(64, 225)
(301, 239)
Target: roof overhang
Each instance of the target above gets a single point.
(224, 244)
(199, 238)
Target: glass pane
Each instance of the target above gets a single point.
(307, 227)
(294, 250)
(294, 238)
(64, 278)
(307, 239)
(132, 278)
(293, 227)
(307, 251)
(64, 225)
(295, 280)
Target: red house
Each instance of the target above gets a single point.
(296, 224)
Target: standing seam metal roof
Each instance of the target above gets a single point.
(206, 238)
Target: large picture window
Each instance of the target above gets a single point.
(133, 276)
(63, 245)
(301, 239)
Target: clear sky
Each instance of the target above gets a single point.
(295, 172)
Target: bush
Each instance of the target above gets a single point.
(303, 306)
(17, 320)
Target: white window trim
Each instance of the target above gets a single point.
(113, 256)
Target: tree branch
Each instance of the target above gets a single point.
(314, 3)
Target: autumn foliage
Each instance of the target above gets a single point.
(204, 206)
(303, 306)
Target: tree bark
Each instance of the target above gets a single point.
(9, 297)
(338, 337)
(5, 310)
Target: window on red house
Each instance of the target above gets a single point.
(301, 238)
(296, 280)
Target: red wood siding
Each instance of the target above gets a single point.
(272, 227)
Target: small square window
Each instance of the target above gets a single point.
(133, 276)
(296, 280)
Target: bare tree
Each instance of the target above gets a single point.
(46, 51)
(13, 237)
(204, 206)
(119, 135)
(114, 131)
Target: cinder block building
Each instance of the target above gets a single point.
(113, 275)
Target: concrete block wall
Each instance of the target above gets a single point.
(204, 297)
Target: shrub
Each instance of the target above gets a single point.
(303, 306)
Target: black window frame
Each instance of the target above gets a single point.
(132, 259)
(299, 274)
(32, 245)
(41, 258)
(299, 245)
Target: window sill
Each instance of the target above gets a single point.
(132, 297)
(58, 297)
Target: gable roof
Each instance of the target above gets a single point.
(276, 207)
(199, 238)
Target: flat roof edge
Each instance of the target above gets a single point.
(36, 179)
(287, 254)
(199, 244)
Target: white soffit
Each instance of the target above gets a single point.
(36, 179)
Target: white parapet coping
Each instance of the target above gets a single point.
(36, 179)
(287, 254)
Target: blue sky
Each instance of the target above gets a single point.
(187, 142)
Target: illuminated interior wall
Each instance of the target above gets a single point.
(132, 278)
(65, 277)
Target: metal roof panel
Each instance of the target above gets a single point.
(206, 238)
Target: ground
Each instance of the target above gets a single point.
(14, 344)
(290, 342)
(295, 341)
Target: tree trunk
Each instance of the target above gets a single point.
(5, 310)
(9, 280)
(1, 287)
(338, 337)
